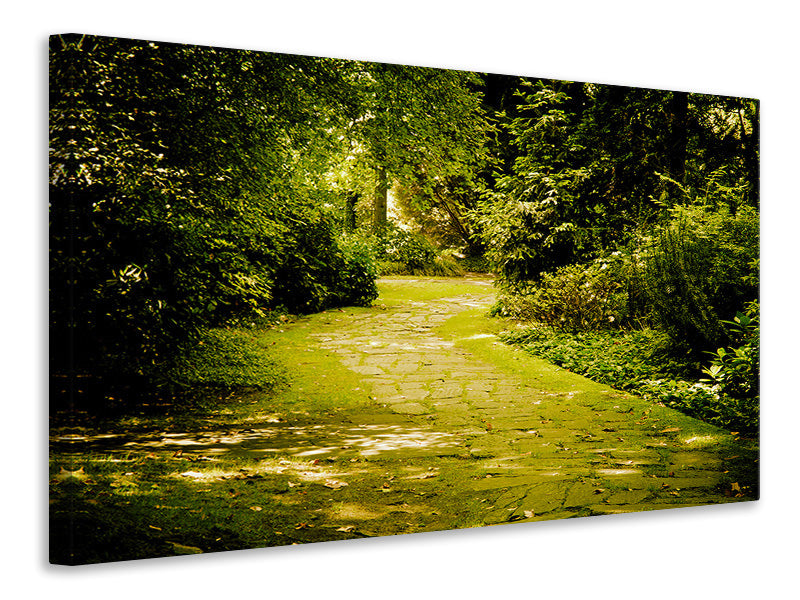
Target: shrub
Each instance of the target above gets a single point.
(476, 264)
(402, 252)
(703, 401)
(735, 370)
(579, 297)
(412, 249)
(525, 237)
(620, 359)
(701, 269)
(356, 281)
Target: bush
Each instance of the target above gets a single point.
(356, 281)
(525, 238)
(701, 269)
(734, 372)
(703, 401)
(476, 264)
(402, 252)
(579, 297)
(411, 249)
(619, 359)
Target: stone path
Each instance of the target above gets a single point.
(543, 453)
(490, 437)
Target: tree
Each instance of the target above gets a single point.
(423, 128)
(183, 194)
(594, 164)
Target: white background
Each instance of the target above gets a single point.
(732, 48)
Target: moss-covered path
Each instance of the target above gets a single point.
(422, 421)
(536, 442)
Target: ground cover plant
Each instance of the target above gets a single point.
(675, 321)
(641, 362)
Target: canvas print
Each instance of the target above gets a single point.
(298, 299)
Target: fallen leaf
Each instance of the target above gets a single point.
(529, 514)
(181, 549)
(256, 508)
(334, 484)
(347, 528)
(670, 430)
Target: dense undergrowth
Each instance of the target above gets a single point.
(645, 363)
(397, 251)
(673, 317)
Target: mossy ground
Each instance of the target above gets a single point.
(405, 417)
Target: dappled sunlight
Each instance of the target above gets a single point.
(206, 476)
(355, 512)
(617, 472)
(311, 441)
(701, 441)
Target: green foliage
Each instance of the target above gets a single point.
(356, 279)
(619, 359)
(590, 165)
(701, 269)
(411, 249)
(735, 371)
(402, 252)
(425, 129)
(524, 238)
(185, 193)
(705, 402)
(476, 264)
(575, 297)
(643, 362)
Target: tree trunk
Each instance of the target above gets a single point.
(678, 135)
(381, 206)
(350, 211)
(751, 145)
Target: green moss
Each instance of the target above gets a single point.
(400, 289)
(226, 358)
